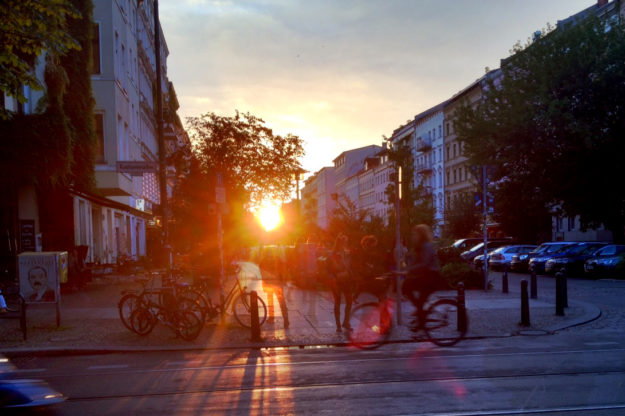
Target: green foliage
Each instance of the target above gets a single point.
(416, 205)
(457, 272)
(27, 29)
(78, 102)
(256, 163)
(552, 125)
(461, 218)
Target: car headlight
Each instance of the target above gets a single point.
(523, 256)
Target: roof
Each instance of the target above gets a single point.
(353, 150)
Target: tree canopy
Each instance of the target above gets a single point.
(552, 124)
(256, 163)
(27, 29)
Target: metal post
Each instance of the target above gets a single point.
(565, 295)
(398, 251)
(504, 280)
(222, 272)
(162, 164)
(485, 213)
(462, 309)
(533, 285)
(559, 294)
(525, 304)
(255, 324)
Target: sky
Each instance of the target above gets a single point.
(340, 74)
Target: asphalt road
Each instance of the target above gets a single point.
(563, 374)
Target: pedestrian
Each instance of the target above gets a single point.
(423, 275)
(341, 279)
(370, 263)
(273, 272)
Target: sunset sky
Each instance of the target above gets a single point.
(340, 74)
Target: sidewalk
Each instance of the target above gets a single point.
(90, 322)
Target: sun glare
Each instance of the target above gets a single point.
(269, 216)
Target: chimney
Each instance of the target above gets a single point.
(601, 3)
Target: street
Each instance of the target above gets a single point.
(572, 374)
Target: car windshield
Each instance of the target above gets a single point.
(590, 249)
(559, 248)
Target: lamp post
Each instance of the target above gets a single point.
(162, 163)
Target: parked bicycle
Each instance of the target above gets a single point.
(238, 300)
(159, 298)
(372, 322)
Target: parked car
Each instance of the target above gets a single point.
(478, 261)
(519, 262)
(537, 263)
(478, 249)
(465, 244)
(605, 260)
(572, 261)
(502, 256)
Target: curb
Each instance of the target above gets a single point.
(591, 313)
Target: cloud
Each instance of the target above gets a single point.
(339, 74)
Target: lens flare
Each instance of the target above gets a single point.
(269, 216)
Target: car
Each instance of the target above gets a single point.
(478, 249)
(572, 261)
(537, 261)
(465, 244)
(519, 262)
(501, 257)
(605, 261)
(478, 261)
(18, 393)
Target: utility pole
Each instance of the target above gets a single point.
(485, 214)
(162, 162)
(398, 247)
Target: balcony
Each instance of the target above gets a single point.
(424, 168)
(424, 144)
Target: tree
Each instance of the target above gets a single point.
(416, 205)
(256, 164)
(461, 218)
(553, 125)
(27, 29)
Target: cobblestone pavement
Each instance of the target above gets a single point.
(90, 320)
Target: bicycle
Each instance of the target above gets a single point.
(372, 322)
(238, 300)
(131, 300)
(178, 314)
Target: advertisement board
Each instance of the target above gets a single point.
(41, 274)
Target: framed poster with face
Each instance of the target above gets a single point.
(40, 275)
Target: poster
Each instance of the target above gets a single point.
(39, 275)
(27, 235)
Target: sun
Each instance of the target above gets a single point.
(269, 216)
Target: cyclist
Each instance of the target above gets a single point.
(423, 271)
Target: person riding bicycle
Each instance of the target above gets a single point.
(371, 263)
(423, 276)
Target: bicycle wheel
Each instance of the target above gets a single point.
(188, 325)
(242, 312)
(199, 299)
(126, 306)
(372, 324)
(441, 323)
(142, 321)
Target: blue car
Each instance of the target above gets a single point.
(537, 261)
(16, 393)
(571, 261)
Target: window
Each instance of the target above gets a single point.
(455, 148)
(447, 153)
(455, 177)
(440, 131)
(447, 128)
(447, 177)
(571, 223)
(95, 50)
(99, 132)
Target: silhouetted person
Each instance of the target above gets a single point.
(341, 278)
(272, 270)
(423, 270)
(369, 263)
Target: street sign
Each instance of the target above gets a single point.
(137, 168)
(220, 195)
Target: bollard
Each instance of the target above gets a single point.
(504, 280)
(525, 304)
(462, 309)
(565, 295)
(255, 324)
(533, 285)
(559, 294)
